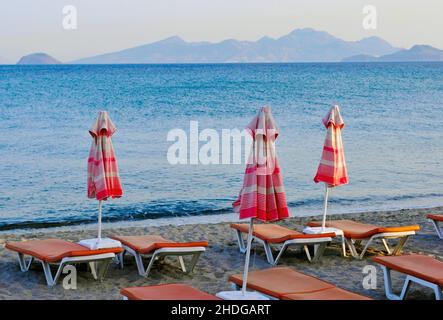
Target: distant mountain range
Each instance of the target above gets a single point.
(38, 58)
(301, 45)
(416, 53)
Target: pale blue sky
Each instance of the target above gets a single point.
(28, 26)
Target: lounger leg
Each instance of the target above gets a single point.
(182, 263)
(103, 269)
(405, 288)
(385, 244)
(148, 269)
(118, 259)
(438, 229)
(438, 295)
(48, 275)
(400, 245)
(352, 248)
(308, 254)
(388, 284)
(362, 253)
(241, 242)
(343, 246)
(318, 252)
(24, 266)
(194, 260)
(121, 258)
(282, 251)
(140, 266)
(268, 252)
(93, 267)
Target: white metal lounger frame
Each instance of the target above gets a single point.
(160, 254)
(437, 227)
(98, 272)
(392, 296)
(319, 247)
(403, 235)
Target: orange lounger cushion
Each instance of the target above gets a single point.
(356, 230)
(274, 233)
(327, 294)
(420, 266)
(280, 281)
(436, 217)
(54, 250)
(148, 244)
(166, 292)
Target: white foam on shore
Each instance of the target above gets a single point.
(176, 221)
(206, 219)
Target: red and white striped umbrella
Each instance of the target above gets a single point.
(332, 168)
(103, 177)
(262, 195)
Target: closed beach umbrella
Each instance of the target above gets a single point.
(262, 196)
(332, 168)
(103, 177)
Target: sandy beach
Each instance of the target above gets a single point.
(220, 260)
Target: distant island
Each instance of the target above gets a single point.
(416, 53)
(38, 58)
(300, 45)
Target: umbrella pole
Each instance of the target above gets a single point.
(248, 254)
(325, 207)
(99, 220)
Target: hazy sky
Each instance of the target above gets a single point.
(28, 26)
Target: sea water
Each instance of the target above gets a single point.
(393, 136)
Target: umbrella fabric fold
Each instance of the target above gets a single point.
(262, 195)
(332, 168)
(103, 176)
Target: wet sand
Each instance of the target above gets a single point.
(221, 259)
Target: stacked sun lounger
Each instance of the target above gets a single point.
(156, 247)
(273, 234)
(356, 233)
(60, 252)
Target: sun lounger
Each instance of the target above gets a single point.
(436, 219)
(284, 283)
(273, 234)
(420, 269)
(165, 292)
(61, 252)
(157, 247)
(355, 233)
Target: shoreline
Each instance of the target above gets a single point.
(200, 219)
(220, 260)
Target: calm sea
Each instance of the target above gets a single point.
(393, 136)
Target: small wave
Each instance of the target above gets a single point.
(182, 208)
